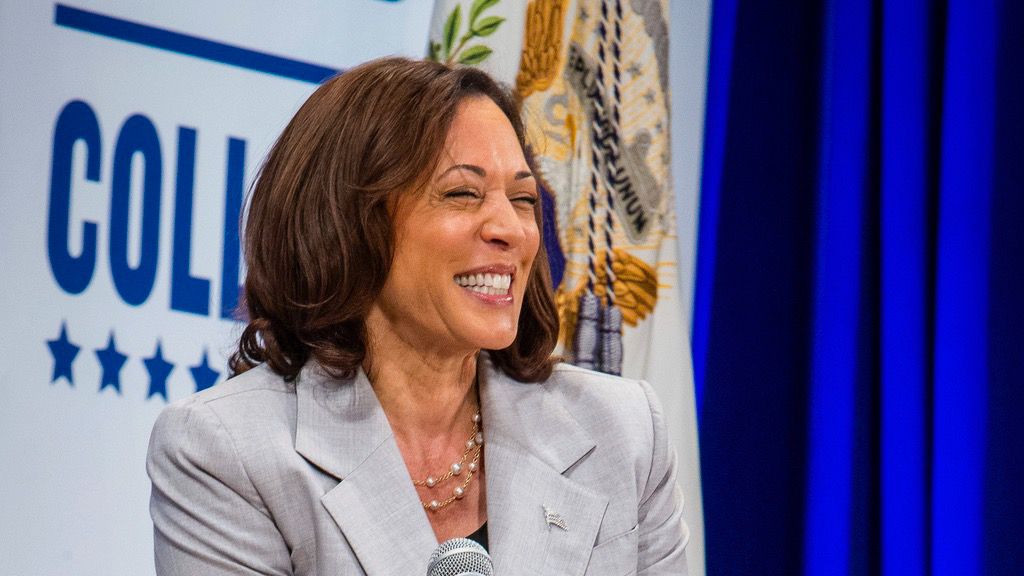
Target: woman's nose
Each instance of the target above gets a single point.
(502, 222)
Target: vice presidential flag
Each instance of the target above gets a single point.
(593, 75)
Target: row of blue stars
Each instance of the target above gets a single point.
(112, 360)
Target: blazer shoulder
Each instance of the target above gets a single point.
(588, 389)
(250, 409)
(606, 404)
(257, 381)
(258, 389)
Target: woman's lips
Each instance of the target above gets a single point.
(505, 298)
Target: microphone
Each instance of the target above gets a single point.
(460, 557)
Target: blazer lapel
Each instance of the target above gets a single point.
(531, 441)
(341, 429)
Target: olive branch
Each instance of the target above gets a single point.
(449, 52)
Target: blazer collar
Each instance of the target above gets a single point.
(342, 429)
(340, 423)
(526, 416)
(531, 440)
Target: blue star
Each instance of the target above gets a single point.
(111, 360)
(64, 353)
(203, 374)
(159, 369)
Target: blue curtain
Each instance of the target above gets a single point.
(860, 288)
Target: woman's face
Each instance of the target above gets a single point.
(465, 246)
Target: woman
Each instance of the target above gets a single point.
(395, 383)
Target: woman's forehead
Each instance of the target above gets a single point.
(481, 137)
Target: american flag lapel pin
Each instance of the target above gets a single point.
(554, 518)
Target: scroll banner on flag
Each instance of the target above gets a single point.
(593, 75)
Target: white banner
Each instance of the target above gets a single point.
(129, 133)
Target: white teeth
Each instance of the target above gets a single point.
(491, 284)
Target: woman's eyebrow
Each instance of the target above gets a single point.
(471, 167)
(479, 171)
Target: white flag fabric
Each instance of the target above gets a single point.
(594, 78)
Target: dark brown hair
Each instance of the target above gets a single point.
(318, 238)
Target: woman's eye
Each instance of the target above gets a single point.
(526, 200)
(460, 194)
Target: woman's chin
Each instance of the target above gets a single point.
(494, 341)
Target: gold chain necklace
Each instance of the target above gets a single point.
(474, 447)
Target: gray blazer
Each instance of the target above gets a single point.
(260, 476)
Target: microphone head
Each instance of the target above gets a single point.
(460, 556)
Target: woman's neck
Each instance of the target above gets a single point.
(428, 393)
(425, 395)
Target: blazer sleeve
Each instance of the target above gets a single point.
(207, 516)
(663, 531)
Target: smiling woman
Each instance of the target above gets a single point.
(368, 149)
(400, 312)
(472, 230)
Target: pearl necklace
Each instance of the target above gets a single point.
(474, 447)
